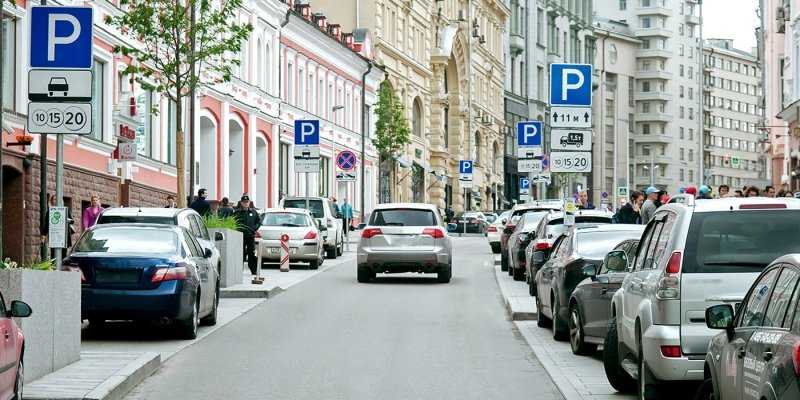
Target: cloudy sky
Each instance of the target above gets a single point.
(731, 19)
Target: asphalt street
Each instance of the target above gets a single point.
(400, 337)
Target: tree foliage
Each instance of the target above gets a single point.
(391, 126)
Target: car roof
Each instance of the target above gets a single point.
(793, 259)
(147, 211)
(175, 228)
(610, 228)
(581, 213)
(417, 206)
(540, 204)
(285, 210)
(303, 198)
(735, 204)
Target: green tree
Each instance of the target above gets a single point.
(391, 127)
(180, 51)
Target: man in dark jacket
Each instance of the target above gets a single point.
(247, 217)
(225, 210)
(629, 213)
(200, 204)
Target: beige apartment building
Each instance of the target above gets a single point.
(444, 60)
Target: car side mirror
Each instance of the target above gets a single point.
(616, 261)
(538, 257)
(523, 237)
(451, 227)
(218, 236)
(719, 316)
(208, 253)
(590, 271)
(20, 309)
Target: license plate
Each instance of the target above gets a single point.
(113, 276)
(277, 250)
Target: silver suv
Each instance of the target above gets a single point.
(326, 213)
(692, 255)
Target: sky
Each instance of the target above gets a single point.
(731, 19)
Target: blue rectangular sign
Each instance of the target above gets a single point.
(465, 167)
(529, 133)
(306, 132)
(571, 85)
(61, 37)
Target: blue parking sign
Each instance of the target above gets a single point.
(571, 85)
(306, 132)
(524, 183)
(529, 133)
(465, 167)
(61, 37)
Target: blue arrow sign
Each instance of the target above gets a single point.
(571, 85)
(61, 37)
(529, 133)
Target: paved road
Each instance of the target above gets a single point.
(402, 337)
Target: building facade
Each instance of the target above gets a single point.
(775, 20)
(733, 139)
(786, 17)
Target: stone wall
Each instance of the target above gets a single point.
(134, 194)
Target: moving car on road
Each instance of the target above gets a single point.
(324, 211)
(475, 221)
(758, 355)
(523, 233)
(511, 224)
(405, 237)
(145, 272)
(305, 239)
(692, 255)
(493, 231)
(577, 255)
(591, 301)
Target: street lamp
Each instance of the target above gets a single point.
(652, 167)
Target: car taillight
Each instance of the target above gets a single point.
(435, 233)
(671, 351)
(370, 232)
(492, 228)
(796, 359)
(542, 246)
(310, 235)
(164, 273)
(669, 286)
(472, 220)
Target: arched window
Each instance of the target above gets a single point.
(416, 117)
(476, 148)
(260, 67)
(267, 84)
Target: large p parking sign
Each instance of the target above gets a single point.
(61, 37)
(306, 132)
(571, 85)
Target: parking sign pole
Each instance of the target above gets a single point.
(60, 190)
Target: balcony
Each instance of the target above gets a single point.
(651, 138)
(692, 20)
(653, 31)
(657, 160)
(653, 95)
(653, 53)
(654, 74)
(654, 10)
(653, 117)
(516, 42)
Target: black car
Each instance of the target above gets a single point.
(475, 223)
(576, 255)
(591, 301)
(758, 355)
(524, 231)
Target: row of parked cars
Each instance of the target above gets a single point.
(656, 297)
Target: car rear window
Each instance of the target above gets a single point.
(532, 220)
(403, 217)
(135, 219)
(284, 219)
(315, 206)
(556, 227)
(747, 241)
(129, 240)
(595, 245)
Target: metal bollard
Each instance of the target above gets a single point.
(258, 279)
(284, 253)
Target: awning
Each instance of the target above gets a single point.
(404, 163)
(790, 113)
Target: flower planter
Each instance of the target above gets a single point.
(53, 331)
(231, 253)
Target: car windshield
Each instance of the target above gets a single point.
(135, 219)
(595, 245)
(314, 205)
(128, 240)
(740, 241)
(491, 218)
(403, 217)
(284, 219)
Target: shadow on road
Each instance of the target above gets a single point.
(405, 280)
(139, 331)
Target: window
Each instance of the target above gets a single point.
(645, 86)
(289, 84)
(172, 129)
(283, 170)
(301, 88)
(324, 174)
(98, 98)
(680, 70)
(646, 22)
(645, 108)
(645, 129)
(681, 112)
(753, 310)
(416, 117)
(681, 154)
(681, 135)
(631, 86)
(680, 29)
(680, 91)
(681, 175)
(9, 62)
(631, 122)
(691, 93)
(623, 4)
(691, 155)
(691, 134)
(144, 127)
(644, 257)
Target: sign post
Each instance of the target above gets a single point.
(306, 149)
(465, 178)
(529, 144)
(59, 92)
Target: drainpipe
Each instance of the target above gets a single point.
(364, 116)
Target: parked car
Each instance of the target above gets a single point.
(550, 228)
(305, 238)
(511, 224)
(475, 221)
(13, 374)
(518, 241)
(692, 255)
(404, 237)
(493, 231)
(577, 255)
(323, 210)
(590, 302)
(185, 217)
(490, 217)
(145, 272)
(758, 355)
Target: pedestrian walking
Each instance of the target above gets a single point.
(629, 213)
(170, 202)
(752, 191)
(90, 214)
(225, 209)
(336, 208)
(704, 192)
(663, 198)
(649, 206)
(724, 191)
(248, 221)
(347, 216)
(769, 191)
(583, 201)
(200, 204)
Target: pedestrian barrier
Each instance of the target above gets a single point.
(284, 253)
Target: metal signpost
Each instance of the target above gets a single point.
(346, 162)
(465, 179)
(571, 118)
(60, 90)
(306, 149)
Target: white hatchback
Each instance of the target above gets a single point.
(495, 228)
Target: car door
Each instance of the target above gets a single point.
(762, 355)
(633, 285)
(731, 358)
(597, 298)
(8, 357)
(546, 273)
(203, 271)
(204, 238)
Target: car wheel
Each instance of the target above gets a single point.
(444, 275)
(313, 264)
(519, 274)
(617, 377)
(20, 380)
(495, 248)
(187, 329)
(503, 261)
(331, 253)
(340, 248)
(559, 333)
(531, 287)
(541, 320)
(576, 335)
(510, 267)
(647, 388)
(211, 319)
(706, 391)
(365, 275)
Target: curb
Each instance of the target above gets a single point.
(122, 382)
(520, 308)
(234, 293)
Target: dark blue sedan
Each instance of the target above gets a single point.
(145, 272)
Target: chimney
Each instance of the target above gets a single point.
(322, 21)
(304, 10)
(335, 30)
(347, 39)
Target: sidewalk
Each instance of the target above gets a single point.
(577, 377)
(122, 354)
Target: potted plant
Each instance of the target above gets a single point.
(230, 248)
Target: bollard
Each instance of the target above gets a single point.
(258, 279)
(284, 253)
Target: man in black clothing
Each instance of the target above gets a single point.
(629, 213)
(247, 217)
(200, 204)
(225, 210)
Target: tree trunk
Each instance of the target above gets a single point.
(180, 166)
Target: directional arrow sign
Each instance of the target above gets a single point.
(571, 117)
